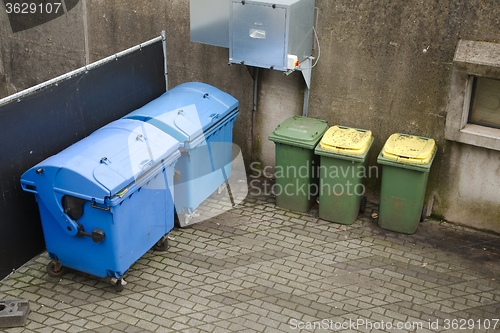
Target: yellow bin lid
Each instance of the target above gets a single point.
(409, 149)
(346, 140)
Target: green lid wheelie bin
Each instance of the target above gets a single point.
(343, 157)
(406, 161)
(296, 164)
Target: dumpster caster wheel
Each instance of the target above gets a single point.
(162, 244)
(423, 215)
(362, 205)
(55, 269)
(119, 285)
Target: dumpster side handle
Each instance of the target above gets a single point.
(28, 186)
(94, 205)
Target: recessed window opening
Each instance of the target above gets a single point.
(485, 102)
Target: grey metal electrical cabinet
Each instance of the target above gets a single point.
(271, 34)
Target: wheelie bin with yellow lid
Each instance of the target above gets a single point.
(406, 161)
(343, 155)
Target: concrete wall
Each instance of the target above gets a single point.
(43, 50)
(468, 187)
(385, 66)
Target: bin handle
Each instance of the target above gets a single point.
(94, 205)
(28, 186)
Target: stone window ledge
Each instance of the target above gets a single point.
(471, 59)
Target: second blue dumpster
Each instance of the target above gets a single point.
(201, 117)
(106, 200)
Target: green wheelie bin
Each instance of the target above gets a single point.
(296, 164)
(406, 161)
(343, 155)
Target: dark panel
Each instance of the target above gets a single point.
(43, 123)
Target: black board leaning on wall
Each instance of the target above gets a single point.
(44, 122)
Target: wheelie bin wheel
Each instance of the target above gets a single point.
(362, 205)
(423, 215)
(55, 269)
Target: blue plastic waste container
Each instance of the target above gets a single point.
(106, 200)
(201, 117)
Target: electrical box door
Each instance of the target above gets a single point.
(257, 37)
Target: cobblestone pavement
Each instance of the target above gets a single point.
(258, 268)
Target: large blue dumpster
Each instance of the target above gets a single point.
(201, 117)
(106, 200)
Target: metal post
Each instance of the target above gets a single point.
(255, 77)
(306, 102)
(164, 42)
(306, 73)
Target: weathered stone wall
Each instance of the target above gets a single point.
(385, 66)
(41, 50)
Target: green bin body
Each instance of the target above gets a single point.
(402, 194)
(341, 184)
(296, 164)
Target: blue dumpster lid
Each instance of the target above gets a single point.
(107, 161)
(187, 111)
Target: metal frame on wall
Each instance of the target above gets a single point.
(41, 121)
